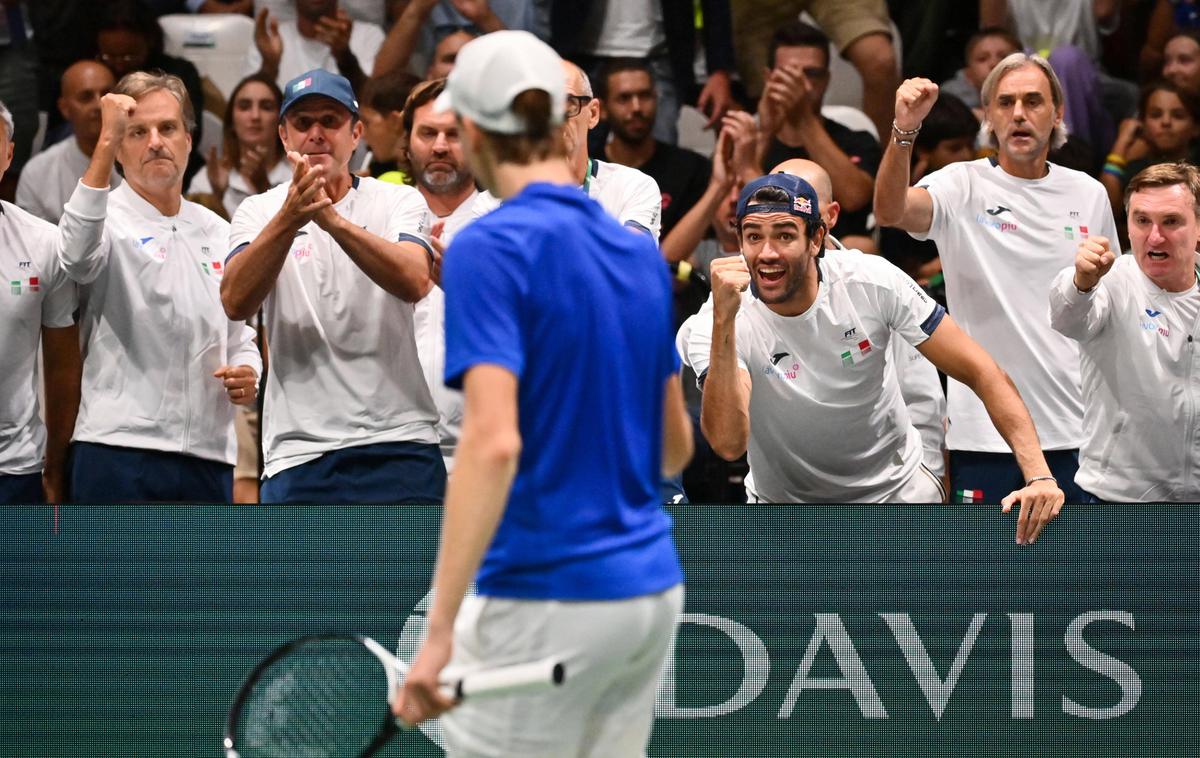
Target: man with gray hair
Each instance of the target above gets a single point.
(38, 309)
(1005, 226)
(164, 366)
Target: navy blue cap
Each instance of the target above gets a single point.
(319, 82)
(802, 198)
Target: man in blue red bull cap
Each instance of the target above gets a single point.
(797, 378)
(336, 261)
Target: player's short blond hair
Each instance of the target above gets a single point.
(1167, 175)
(138, 84)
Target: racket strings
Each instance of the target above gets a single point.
(322, 699)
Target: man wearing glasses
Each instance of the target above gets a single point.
(630, 196)
(792, 126)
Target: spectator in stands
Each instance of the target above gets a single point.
(129, 39)
(1004, 228)
(441, 63)
(805, 354)
(19, 75)
(251, 159)
(626, 193)
(382, 111)
(1181, 65)
(789, 114)
(38, 310)
(404, 37)
(336, 261)
(372, 11)
(1170, 126)
(54, 172)
(590, 33)
(1134, 317)
(984, 50)
(861, 30)
(629, 103)
(1168, 19)
(321, 36)
(164, 366)
(244, 7)
(434, 157)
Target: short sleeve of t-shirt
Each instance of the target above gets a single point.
(643, 204)
(947, 187)
(484, 280)
(409, 219)
(905, 307)
(247, 223)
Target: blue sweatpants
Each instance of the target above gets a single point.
(108, 474)
(21, 489)
(997, 474)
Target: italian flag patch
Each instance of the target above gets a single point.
(858, 353)
(969, 496)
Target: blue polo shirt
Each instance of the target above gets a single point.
(579, 308)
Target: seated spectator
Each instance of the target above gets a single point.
(129, 39)
(53, 173)
(382, 110)
(1133, 317)
(252, 159)
(985, 49)
(1169, 124)
(1181, 64)
(789, 114)
(629, 102)
(321, 36)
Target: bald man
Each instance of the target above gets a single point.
(50, 176)
(629, 195)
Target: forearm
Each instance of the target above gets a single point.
(1071, 310)
(851, 185)
(678, 445)
(724, 411)
(64, 368)
(101, 165)
(690, 229)
(401, 40)
(891, 185)
(401, 268)
(349, 67)
(250, 275)
(476, 495)
(242, 350)
(1011, 418)
(82, 247)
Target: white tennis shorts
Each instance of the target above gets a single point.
(613, 652)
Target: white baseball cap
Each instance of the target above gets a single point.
(490, 71)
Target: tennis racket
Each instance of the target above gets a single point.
(331, 694)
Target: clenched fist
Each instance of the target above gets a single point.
(729, 277)
(914, 100)
(1092, 261)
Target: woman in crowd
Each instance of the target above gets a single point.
(252, 158)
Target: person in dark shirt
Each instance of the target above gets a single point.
(792, 126)
(629, 103)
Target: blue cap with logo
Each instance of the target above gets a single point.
(319, 82)
(801, 198)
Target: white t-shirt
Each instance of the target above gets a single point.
(429, 322)
(50, 177)
(1002, 240)
(373, 11)
(1141, 384)
(238, 189)
(344, 365)
(827, 419)
(628, 195)
(37, 294)
(628, 28)
(152, 323)
(301, 54)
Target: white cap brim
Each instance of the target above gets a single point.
(444, 102)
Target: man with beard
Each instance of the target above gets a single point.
(1004, 228)
(797, 375)
(51, 175)
(441, 175)
(629, 102)
(321, 36)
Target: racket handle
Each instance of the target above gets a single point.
(537, 675)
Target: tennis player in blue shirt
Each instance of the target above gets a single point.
(559, 331)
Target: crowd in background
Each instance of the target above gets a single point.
(699, 97)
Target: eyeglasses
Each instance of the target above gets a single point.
(576, 104)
